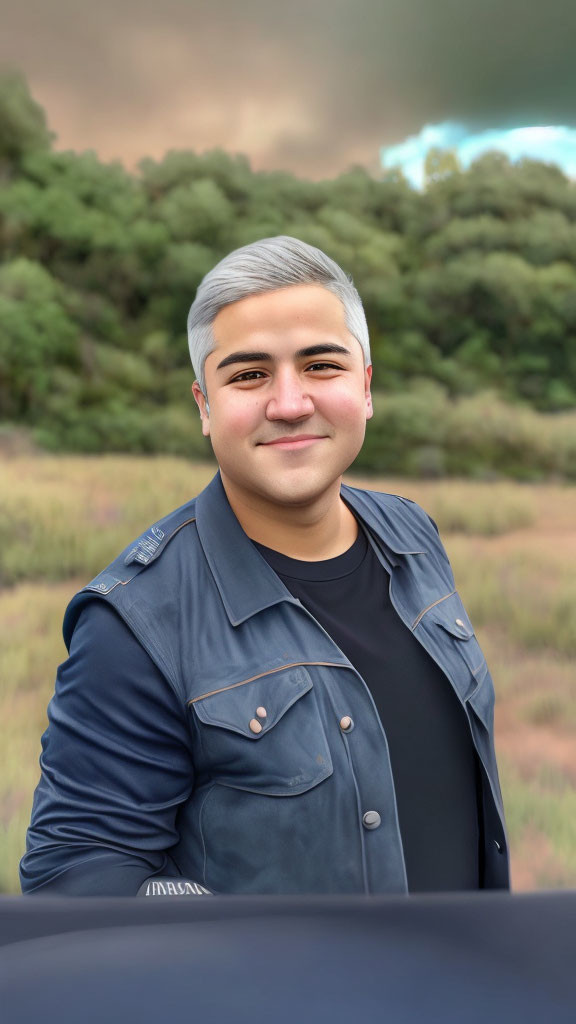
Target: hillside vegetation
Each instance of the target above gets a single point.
(469, 290)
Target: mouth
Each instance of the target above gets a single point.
(296, 442)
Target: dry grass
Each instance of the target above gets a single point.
(31, 648)
(479, 509)
(513, 549)
(69, 516)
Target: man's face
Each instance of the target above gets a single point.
(288, 394)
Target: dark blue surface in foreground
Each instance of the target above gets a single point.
(485, 957)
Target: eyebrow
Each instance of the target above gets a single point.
(262, 357)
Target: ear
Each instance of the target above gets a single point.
(367, 392)
(202, 405)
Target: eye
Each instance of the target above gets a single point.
(247, 375)
(323, 366)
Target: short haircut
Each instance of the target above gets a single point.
(265, 266)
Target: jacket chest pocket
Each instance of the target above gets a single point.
(468, 664)
(264, 735)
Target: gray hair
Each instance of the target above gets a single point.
(264, 266)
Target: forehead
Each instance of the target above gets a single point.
(281, 317)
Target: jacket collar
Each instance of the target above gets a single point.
(247, 584)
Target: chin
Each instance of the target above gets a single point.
(295, 491)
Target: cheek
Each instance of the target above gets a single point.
(233, 420)
(345, 407)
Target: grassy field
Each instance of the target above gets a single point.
(513, 550)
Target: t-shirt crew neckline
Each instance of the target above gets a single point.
(326, 569)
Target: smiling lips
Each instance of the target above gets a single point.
(296, 441)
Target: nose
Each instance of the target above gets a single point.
(289, 399)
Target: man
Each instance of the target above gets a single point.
(277, 688)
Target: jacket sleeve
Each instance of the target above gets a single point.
(116, 766)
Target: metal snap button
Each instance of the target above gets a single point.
(371, 819)
(460, 623)
(255, 725)
(498, 846)
(261, 712)
(346, 723)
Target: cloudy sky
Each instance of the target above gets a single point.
(311, 86)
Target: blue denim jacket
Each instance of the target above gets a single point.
(281, 810)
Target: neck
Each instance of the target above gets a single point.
(322, 528)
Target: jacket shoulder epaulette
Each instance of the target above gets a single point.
(145, 549)
(132, 561)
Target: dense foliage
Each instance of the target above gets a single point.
(470, 284)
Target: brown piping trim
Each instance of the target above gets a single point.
(433, 605)
(294, 664)
(174, 532)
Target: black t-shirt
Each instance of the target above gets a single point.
(432, 755)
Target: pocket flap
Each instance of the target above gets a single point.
(452, 617)
(236, 706)
(265, 735)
